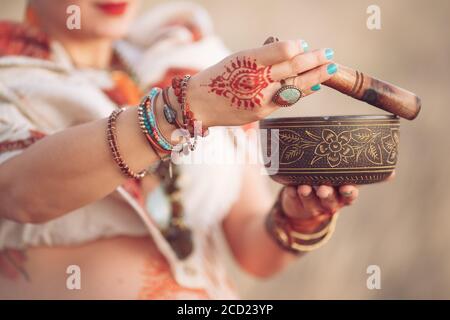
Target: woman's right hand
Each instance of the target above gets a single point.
(239, 89)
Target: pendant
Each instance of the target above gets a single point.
(170, 114)
(180, 239)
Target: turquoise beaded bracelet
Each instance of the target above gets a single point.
(149, 121)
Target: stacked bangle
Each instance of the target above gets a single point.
(179, 86)
(148, 119)
(280, 228)
(148, 123)
(169, 112)
(112, 142)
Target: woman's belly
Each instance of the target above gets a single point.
(116, 268)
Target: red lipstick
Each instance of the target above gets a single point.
(113, 8)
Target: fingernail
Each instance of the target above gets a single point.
(347, 193)
(323, 194)
(305, 46)
(305, 193)
(329, 53)
(316, 87)
(332, 68)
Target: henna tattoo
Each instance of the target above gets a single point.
(11, 264)
(242, 82)
(159, 283)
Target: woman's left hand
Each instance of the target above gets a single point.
(316, 205)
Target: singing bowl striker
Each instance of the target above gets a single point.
(334, 150)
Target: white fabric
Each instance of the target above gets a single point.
(50, 96)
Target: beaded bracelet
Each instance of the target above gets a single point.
(112, 142)
(147, 121)
(170, 115)
(162, 155)
(180, 88)
(151, 117)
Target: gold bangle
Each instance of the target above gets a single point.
(284, 239)
(278, 226)
(323, 241)
(316, 235)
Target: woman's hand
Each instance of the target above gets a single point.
(315, 206)
(239, 89)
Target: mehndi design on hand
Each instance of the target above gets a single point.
(242, 82)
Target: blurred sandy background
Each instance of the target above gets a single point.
(402, 226)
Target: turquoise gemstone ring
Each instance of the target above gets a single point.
(287, 95)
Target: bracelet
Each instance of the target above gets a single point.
(312, 236)
(279, 227)
(180, 89)
(169, 112)
(171, 117)
(163, 156)
(188, 115)
(112, 142)
(151, 112)
(148, 124)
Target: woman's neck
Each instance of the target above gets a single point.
(96, 53)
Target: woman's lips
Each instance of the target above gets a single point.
(113, 8)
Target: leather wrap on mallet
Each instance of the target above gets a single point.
(375, 92)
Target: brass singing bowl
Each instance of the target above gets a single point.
(333, 150)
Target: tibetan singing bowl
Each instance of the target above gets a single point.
(330, 150)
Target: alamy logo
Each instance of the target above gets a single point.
(73, 281)
(74, 19)
(374, 279)
(374, 20)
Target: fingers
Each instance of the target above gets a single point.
(310, 201)
(301, 63)
(318, 75)
(296, 208)
(306, 202)
(276, 52)
(328, 198)
(292, 204)
(348, 193)
(311, 90)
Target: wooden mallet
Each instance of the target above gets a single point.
(375, 92)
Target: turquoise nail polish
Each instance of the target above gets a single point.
(329, 53)
(332, 68)
(316, 87)
(305, 46)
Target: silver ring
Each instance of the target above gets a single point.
(287, 95)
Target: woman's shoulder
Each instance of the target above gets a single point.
(21, 39)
